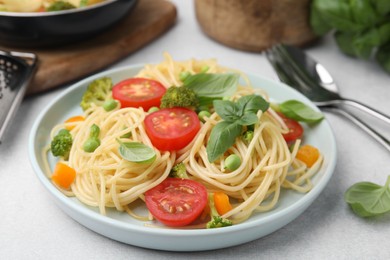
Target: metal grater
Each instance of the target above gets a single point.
(16, 71)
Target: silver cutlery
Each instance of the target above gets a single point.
(300, 71)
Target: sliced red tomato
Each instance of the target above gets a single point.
(171, 129)
(139, 92)
(176, 202)
(295, 129)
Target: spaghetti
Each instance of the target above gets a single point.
(105, 180)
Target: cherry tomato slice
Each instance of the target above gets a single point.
(172, 129)
(295, 129)
(176, 202)
(139, 92)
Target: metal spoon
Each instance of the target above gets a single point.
(315, 81)
(314, 87)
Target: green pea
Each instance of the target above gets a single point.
(203, 114)
(110, 104)
(91, 144)
(153, 109)
(93, 141)
(232, 162)
(94, 131)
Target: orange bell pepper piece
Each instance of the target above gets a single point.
(308, 155)
(63, 175)
(73, 119)
(222, 203)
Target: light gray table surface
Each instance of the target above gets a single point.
(33, 227)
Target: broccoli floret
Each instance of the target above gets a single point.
(179, 97)
(179, 171)
(98, 92)
(216, 220)
(59, 6)
(61, 144)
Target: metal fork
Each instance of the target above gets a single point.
(290, 73)
(315, 81)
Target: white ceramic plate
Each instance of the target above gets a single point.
(121, 227)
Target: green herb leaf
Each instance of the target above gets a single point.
(222, 136)
(235, 116)
(299, 111)
(344, 41)
(252, 104)
(364, 13)
(244, 110)
(136, 152)
(382, 6)
(227, 110)
(248, 119)
(369, 199)
(383, 57)
(319, 24)
(361, 27)
(60, 6)
(337, 14)
(212, 85)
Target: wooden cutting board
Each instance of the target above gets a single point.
(63, 65)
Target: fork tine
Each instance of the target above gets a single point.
(285, 71)
(286, 57)
(297, 77)
(282, 75)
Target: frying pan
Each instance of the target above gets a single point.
(44, 29)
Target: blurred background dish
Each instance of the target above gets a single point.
(43, 29)
(255, 25)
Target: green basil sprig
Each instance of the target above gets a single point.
(369, 199)
(361, 27)
(209, 86)
(136, 152)
(299, 111)
(235, 115)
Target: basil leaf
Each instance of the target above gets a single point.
(212, 85)
(207, 101)
(222, 136)
(136, 152)
(248, 119)
(299, 111)
(365, 43)
(362, 27)
(235, 115)
(364, 13)
(382, 6)
(319, 24)
(252, 104)
(383, 57)
(344, 41)
(244, 110)
(337, 14)
(227, 110)
(369, 199)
